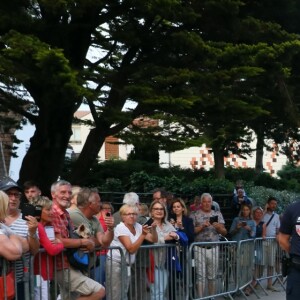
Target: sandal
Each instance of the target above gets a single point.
(247, 291)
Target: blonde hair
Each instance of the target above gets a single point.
(42, 201)
(75, 191)
(125, 207)
(3, 205)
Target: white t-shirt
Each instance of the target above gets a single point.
(273, 226)
(122, 230)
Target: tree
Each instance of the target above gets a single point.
(46, 72)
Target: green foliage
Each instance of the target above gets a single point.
(289, 172)
(261, 194)
(112, 184)
(145, 183)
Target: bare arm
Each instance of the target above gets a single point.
(11, 247)
(87, 244)
(106, 238)
(133, 247)
(284, 241)
(34, 244)
(264, 231)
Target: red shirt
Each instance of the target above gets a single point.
(61, 219)
(43, 262)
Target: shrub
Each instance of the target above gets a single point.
(260, 194)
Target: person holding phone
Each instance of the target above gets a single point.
(243, 227)
(43, 262)
(207, 256)
(106, 211)
(24, 228)
(129, 236)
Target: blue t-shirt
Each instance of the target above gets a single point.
(290, 224)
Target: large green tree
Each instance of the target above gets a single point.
(57, 54)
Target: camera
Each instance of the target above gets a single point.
(31, 210)
(108, 214)
(244, 223)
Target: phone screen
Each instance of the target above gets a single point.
(213, 219)
(149, 222)
(50, 232)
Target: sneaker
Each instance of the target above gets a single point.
(272, 288)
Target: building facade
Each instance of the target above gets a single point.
(194, 157)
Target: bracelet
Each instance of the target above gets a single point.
(34, 236)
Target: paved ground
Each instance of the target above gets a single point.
(262, 296)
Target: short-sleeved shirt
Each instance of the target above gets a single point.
(208, 234)
(242, 233)
(92, 224)
(5, 230)
(60, 222)
(20, 227)
(290, 224)
(122, 230)
(273, 226)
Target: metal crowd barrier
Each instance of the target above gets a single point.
(166, 271)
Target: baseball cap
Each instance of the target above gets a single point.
(6, 183)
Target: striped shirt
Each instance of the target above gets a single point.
(20, 227)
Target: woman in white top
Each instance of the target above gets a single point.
(129, 236)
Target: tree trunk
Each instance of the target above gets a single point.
(45, 156)
(219, 162)
(259, 167)
(88, 155)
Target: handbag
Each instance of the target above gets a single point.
(77, 258)
(183, 239)
(7, 285)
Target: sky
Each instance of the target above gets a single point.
(24, 134)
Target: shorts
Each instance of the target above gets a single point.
(74, 282)
(269, 252)
(206, 263)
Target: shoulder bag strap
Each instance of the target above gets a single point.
(270, 220)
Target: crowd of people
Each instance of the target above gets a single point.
(166, 220)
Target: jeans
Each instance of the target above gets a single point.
(158, 288)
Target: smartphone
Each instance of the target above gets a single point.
(108, 214)
(213, 219)
(149, 222)
(172, 217)
(50, 232)
(31, 210)
(244, 223)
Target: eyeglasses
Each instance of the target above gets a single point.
(131, 214)
(156, 208)
(16, 195)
